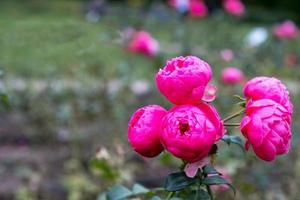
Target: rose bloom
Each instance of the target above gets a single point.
(198, 8)
(183, 79)
(144, 128)
(267, 128)
(189, 131)
(232, 75)
(268, 88)
(143, 43)
(234, 7)
(286, 30)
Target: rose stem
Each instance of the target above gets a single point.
(233, 115)
(231, 124)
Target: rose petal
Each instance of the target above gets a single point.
(191, 169)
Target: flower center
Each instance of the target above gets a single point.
(183, 127)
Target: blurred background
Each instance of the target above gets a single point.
(71, 77)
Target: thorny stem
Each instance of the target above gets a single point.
(231, 124)
(233, 115)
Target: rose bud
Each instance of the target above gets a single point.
(268, 88)
(234, 7)
(198, 8)
(183, 79)
(143, 43)
(232, 75)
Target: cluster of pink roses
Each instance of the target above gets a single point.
(192, 126)
(267, 124)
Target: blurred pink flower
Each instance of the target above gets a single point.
(286, 30)
(143, 130)
(227, 55)
(232, 75)
(198, 8)
(267, 128)
(143, 43)
(290, 59)
(189, 131)
(234, 7)
(184, 79)
(268, 88)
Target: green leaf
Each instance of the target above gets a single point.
(178, 181)
(198, 195)
(217, 180)
(209, 169)
(139, 189)
(214, 180)
(118, 192)
(235, 140)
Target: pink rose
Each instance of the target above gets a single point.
(267, 128)
(234, 7)
(268, 88)
(183, 79)
(143, 43)
(286, 30)
(227, 55)
(198, 8)
(189, 131)
(232, 75)
(144, 128)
